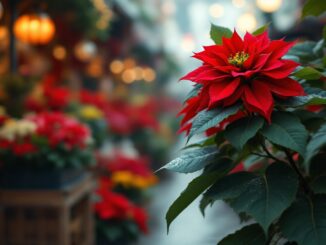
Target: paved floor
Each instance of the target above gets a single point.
(190, 228)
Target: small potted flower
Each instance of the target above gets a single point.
(45, 150)
(118, 220)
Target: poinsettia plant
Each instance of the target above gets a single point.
(118, 219)
(48, 140)
(264, 150)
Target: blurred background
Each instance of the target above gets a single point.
(89, 97)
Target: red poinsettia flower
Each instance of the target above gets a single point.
(20, 149)
(250, 70)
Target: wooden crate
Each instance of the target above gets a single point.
(47, 217)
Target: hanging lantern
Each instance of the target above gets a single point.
(34, 29)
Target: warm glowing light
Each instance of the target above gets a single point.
(129, 63)
(94, 69)
(238, 3)
(247, 22)
(34, 29)
(4, 37)
(85, 50)
(187, 43)
(216, 10)
(59, 52)
(149, 75)
(106, 14)
(269, 5)
(128, 76)
(116, 66)
(139, 73)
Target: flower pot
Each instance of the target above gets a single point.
(18, 178)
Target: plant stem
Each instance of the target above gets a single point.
(297, 170)
(269, 154)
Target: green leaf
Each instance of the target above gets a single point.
(286, 130)
(313, 7)
(193, 160)
(261, 29)
(193, 190)
(317, 141)
(308, 73)
(205, 142)
(303, 49)
(318, 185)
(208, 119)
(193, 92)
(228, 187)
(239, 132)
(248, 235)
(218, 32)
(305, 221)
(314, 96)
(266, 197)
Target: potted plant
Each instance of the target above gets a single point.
(118, 220)
(264, 150)
(45, 150)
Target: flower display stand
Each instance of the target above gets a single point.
(47, 217)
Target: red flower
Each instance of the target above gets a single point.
(92, 98)
(20, 149)
(57, 98)
(116, 206)
(140, 217)
(58, 128)
(138, 166)
(250, 70)
(5, 144)
(112, 205)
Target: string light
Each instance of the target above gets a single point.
(59, 52)
(128, 76)
(129, 63)
(106, 14)
(216, 10)
(85, 50)
(247, 22)
(149, 75)
(138, 73)
(269, 6)
(116, 66)
(238, 3)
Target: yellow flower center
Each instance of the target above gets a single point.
(238, 59)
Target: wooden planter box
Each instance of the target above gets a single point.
(47, 217)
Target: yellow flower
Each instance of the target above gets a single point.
(129, 180)
(90, 112)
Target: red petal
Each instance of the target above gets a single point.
(185, 128)
(261, 61)
(192, 75)
(237, 41)
(258, 99)
(235, 96)
(279, 48)
(221, 90)
(285, 87)
(283, 71)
